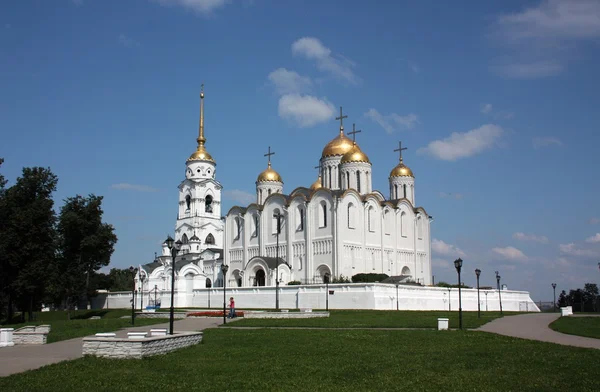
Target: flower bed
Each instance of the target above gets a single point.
(214, 313)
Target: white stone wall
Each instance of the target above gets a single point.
(137, 349)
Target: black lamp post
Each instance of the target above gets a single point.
(499, 291)
(133, 273)
(277, 216)
(327, 276)
(174, 248)
(142, 279)
(554, 289)
(458, 265)
(477, 273)
(224, 269)
(397, 299)
(155, 290)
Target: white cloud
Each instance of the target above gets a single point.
(510, 253)
(541, 38)
(239, 196)
(305, 110)
(199, 6)
(392, 121)
(133, 187)
(127, 41)
(540, 142)
(313, 49)
(485, 109)
(456, 196)
(571, 249)
(463, 145)
(530, 237)
(289, 82)
(594, 221)
(442, 248)
(594, 239)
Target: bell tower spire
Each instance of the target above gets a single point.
(201, 154)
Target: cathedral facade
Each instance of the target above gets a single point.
(339, 226)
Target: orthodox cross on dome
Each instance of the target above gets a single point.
(400, 149)
(269, 155)
(353, 133)
(341, 118)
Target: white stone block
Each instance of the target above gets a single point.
(158, 332)
(566, 311)
(106, 335)
(6, 337)
(443, 324)
(136, 335)
(307, 310)
(285, 310)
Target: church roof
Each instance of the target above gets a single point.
(151, 266)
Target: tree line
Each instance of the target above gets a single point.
(45, 257)
(586, 299)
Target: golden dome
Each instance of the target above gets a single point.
(201, 155)
(317, 184)
(355, 155)
(338, 146)
(401, 171)
(269, 175)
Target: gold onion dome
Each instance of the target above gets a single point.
(401, 170)
(201, 154)
(317, 184)
(269, 175)
(338, 146)
(355, 155)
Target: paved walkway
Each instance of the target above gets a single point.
(534, 326)
(18, 359)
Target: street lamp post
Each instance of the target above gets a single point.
(224, 269)
(327, 275)
(133, 273)
(554, 303)
(449, 300)
(155, 291)
(174, 248)
(499, 291)
(458, 265)
(397, 299)
(486, 303)
(477, 273)
(142, 279)
(277, 216)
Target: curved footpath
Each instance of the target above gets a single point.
(535, 326)
(17, 359)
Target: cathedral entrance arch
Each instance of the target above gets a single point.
(259, 277)
(406, 271)
(323, 274)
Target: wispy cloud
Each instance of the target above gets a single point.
(594, 239)
(541, 38)
(530, 237)
(441, 248)
(456, 196)
(392, 122)
(485, 109)
(127, 41)
(205, 7)
(338, 66)
(289, 82)
(594, 221)
(488, 109)
(305, 110)
(510, 253)
(541, 142)
(572, 250)
(242, 197)
(464, 145)
(133, 187)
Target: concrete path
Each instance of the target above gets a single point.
(18, 359)
(534, 326)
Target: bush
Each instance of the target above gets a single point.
(340, 279)
(369, 278)
(444, 284)
(294, 283)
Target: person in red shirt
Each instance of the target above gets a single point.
(231, 308)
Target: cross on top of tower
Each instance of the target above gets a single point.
(341, 118)
(269, 155)
(400, 149)
(354, 132)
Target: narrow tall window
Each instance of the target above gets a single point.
(347, 180)
(208, 204)
(404, 190)
(184, 239)
(358, 181)
(210, 240)
(269, 192)
(351, 215)
(395, 191)
(420, 228)
(371, 218)
(403, 228)
(255, 219)
(300, 217)
(329, 178)
(323, 215)
(386, 222)
(188, 202)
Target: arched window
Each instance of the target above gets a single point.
(371, 219)
(403, 228)
(347, 180)
(300, 218)
(404, 186)
(210, 240)
(329, 178)
(358, 181)
(419, 227)
(387, 222)
(255, 225)
(184, 239)
(238, 228)
(208, 283)
(188, 202)
(323, 215)
(260, 195)
(208, 204)
(276, 222)
(351, 215)
(269, 192)
(395, 191)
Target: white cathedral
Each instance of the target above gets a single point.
(339, 226)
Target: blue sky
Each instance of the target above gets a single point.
(496, 102)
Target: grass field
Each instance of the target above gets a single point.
(80, 325)
(376, 319)
(581, 326)
(326, 360)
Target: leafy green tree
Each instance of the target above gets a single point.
(563, 299)
(27, 238)
(85, 244)
(120, 280)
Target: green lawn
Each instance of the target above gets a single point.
(581, 326)
(376, 319)
(80, 325)
(326, 360)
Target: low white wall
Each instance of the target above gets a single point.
(136, 349)
(342, 296)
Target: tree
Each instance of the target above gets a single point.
(27, 238)
(120, 279)
(563, 299)
(85, 243)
